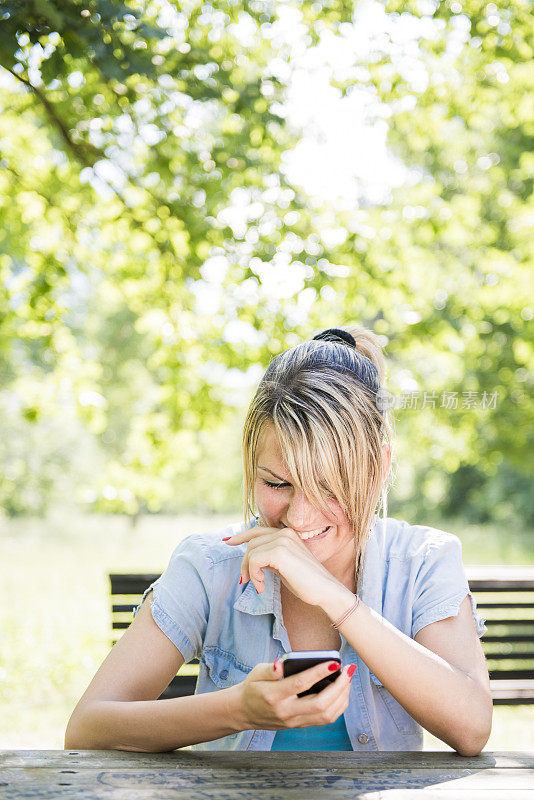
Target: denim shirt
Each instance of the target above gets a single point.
(412, 575)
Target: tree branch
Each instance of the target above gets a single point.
(82, 152)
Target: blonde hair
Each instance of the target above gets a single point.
(321, 397)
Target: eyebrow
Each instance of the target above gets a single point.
(274, 473)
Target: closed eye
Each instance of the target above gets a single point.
(283, 485)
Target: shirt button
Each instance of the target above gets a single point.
(363, 738)
(223, 674)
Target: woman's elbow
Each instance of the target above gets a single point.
(76, 743)
(70, 742)
(474, 745)
(471, 749)
(474, 741)
(77, 738)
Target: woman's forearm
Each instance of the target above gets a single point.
(442, 698)
(154, 726)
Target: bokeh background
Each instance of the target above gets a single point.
(187, 189)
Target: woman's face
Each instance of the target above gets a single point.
(283, 505)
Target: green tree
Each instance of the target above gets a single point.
(147, 131)
(139, 128)
(454, 249)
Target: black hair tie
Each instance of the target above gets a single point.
(335, 335)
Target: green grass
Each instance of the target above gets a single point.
(502, 543)
(55, 616)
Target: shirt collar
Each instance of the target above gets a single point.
(251, 602)
(268, 602)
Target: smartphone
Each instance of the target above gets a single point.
(299, 660)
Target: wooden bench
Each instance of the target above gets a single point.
(504, 597)
(126, 593)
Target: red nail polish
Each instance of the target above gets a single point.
(225, 539)
(333, 666)
(351, 670)
(241, 579)
(277, 661)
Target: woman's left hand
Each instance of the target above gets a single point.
(282, 551)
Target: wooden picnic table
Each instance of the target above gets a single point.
(260, 775)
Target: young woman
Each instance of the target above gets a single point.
(316, 569)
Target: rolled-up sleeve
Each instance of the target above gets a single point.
(181, 597)
(441, 584)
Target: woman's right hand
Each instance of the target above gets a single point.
(266, 700)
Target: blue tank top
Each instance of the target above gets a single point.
(316, 737)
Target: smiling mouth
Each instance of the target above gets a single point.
(315, 534)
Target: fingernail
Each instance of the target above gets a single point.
(225, 539)
(334, 665)
(351, 670)
(241, 579)
(276, 662)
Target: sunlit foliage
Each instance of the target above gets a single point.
(141, 148)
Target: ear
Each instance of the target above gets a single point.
(386, 450)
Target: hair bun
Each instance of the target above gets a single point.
(336, 335)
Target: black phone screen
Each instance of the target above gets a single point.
(298, 661)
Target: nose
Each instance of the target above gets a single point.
(300, 513)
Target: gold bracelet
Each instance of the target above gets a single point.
(342, 619)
